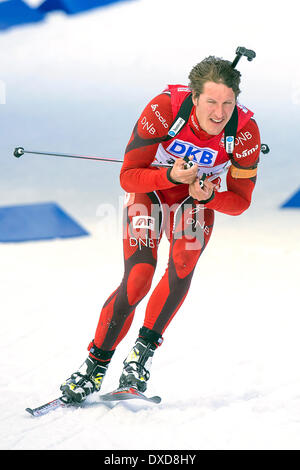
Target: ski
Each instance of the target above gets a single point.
(128, 393)
(50, 406)
(117, 395)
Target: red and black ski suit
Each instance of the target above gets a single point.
(155, 204)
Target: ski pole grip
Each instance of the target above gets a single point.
(201, 180)
(188, 163)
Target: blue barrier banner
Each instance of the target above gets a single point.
(293, 202)
(41, 221)
(73, 6)
(16, 12)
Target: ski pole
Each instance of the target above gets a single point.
(19, 151)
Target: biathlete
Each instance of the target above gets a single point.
(178, 200)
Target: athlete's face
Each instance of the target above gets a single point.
(214, 107)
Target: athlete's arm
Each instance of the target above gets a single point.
(154, 122)
(241, 176)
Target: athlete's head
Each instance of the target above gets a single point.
(215, 88)
(214, 69)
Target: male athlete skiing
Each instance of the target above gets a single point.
(179, 201)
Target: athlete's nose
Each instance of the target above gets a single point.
(218, 112)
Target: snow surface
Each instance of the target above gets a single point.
(228, 370)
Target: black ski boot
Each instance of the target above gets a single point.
(89, 377)
(136, 371)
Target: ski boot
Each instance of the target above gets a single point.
(136, 371)
(88, 379)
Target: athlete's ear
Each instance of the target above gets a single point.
(194, 99)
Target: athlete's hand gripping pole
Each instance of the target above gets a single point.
(189, 164)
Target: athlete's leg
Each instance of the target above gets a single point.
(142, 231)
(192, 227)
(142, 226)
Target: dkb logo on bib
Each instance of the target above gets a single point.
(202, 156)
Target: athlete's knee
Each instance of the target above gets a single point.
(139, 282)
(185, 261)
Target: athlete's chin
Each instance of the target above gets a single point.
(215, 129)
(214, 132)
